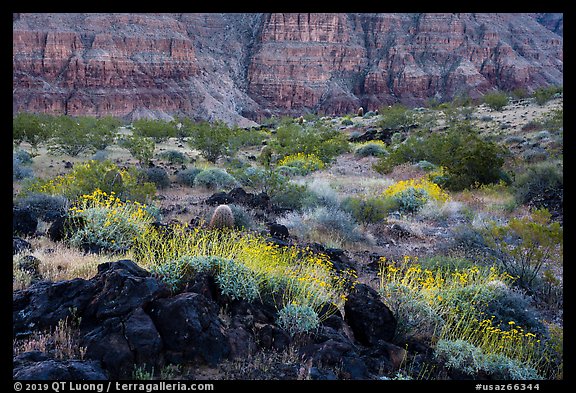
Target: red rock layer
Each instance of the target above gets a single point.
(238, 66)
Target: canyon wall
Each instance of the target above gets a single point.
(240, 68)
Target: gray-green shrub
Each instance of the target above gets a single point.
(215, 178)
(187, 176)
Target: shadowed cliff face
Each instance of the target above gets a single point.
(242, 67)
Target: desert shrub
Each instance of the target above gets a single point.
(100, 155)
(425, 165)
(459, 355)
(20, 171)
(289, 195)
(70, 135)
(279, 275)
(173, 157)
(461, 298)
(320, 193)
(323, 224)
(545, 94)
(466, 158)
(396, 116)
(106, 222)
(411, 195)
(158, 176)
(512, 304)
(303, 163)
(215, 178)
(75, 135)
(45, 207)
(368, 210)
(346, 121)
(187, 176)
(237, 281)
(525, 245)
(86, 177)
(534, 155)
(372, 148)
(242, 219)
(140, 147)
(322, 141)
(32, 128)
(297, 319)
(540, 185)
(213, 140)
(496, 100)
(156, 129)
(23, 157)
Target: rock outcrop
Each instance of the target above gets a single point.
(243, 67)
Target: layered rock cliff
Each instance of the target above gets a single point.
(242, 67)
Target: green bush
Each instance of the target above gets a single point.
(293, 138)
(524, 245)
(496, 100)
(545, 94)
(158, 176)
(396, 116)
(159, 130)
(213, 140)
(373, 149)
(467, 159)
(19, 171)
(187, 176)
(236, 280)
(75, 135)
(540, 185)
(368, 210)
(173, 157)
(289, 195)
(215, 178)
(86, 177)
(34, 129)
(140, 147)
(297, 319)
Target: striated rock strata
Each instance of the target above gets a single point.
(242, 67)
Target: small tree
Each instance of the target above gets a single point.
(158, 130)
(140, 147)
(72, 135)
(213, 140)
(32, 128)
(396, 117)
(496, 100)
(525, 245)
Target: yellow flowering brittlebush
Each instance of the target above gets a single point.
(459, 297)
(305, 163)
(107, 221)
(287, 275)
(432, 190)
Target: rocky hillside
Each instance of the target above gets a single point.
(243, 67)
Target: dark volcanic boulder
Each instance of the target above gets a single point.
(43, 304)
(36, 366)
(24, 221)
(20, 245)
(369, 318)
(122, 287)
(190, 328)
